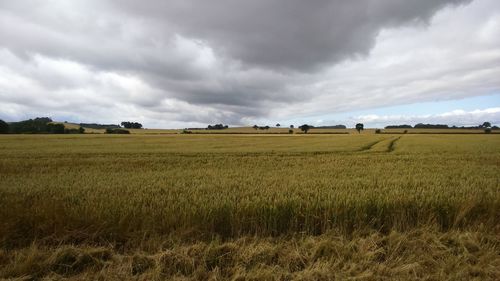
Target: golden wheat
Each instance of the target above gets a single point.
(125, 190)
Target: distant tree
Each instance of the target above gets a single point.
(398, 127)
(217, 127)
(431, 126)
(117, 131)
(4, 127)
(291, 126)
(255, 127)
(31, 126)
(55, 128)
(290, 131)
(99, 126)
(332, 127)
(81, 130)
(278, 125)
(305, 128)
(486, 125)
(131, 125)
(359, 127)
(378, 131)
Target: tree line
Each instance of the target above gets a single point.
(485, 125)
(39, 125)
(45, 125)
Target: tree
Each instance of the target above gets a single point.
(291, 126)
(217, 127)
(255, 127)
(55, 128)
(131, 125)
(4, 127)
(486, 125)
(359, 127)
(81, 130)
(305, 128)
(278, 125)
(32, 126)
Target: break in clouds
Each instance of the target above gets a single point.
(187, 63)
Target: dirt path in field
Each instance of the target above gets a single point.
(384, 145)
(391, 147)
(371, 145)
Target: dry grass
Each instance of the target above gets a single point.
(421, 254)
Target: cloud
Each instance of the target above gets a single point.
(456, 117)
(188, 63)
(285, 34)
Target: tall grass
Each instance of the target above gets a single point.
(231, 186)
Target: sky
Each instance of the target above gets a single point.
(189, 63)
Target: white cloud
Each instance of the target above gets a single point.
(456, 117)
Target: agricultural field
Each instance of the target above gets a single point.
(250, 207)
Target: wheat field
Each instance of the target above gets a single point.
(250, 207)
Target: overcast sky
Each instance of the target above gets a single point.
(188, 63)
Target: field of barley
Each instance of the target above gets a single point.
(250, 207)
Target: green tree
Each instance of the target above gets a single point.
(305, 128)
(4, 127)
(55, 128)
(359, 127)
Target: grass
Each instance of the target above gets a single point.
(205, 206)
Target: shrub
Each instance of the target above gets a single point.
(117, 131)
(487, 131)
(290, 131)
(378, 131)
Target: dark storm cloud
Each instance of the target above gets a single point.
(285, 34)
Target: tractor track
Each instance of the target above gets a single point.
(371, 145)
(391, 148)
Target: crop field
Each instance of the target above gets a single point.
(250, 207)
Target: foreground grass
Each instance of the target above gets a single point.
(139, 198)
(422, 254)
